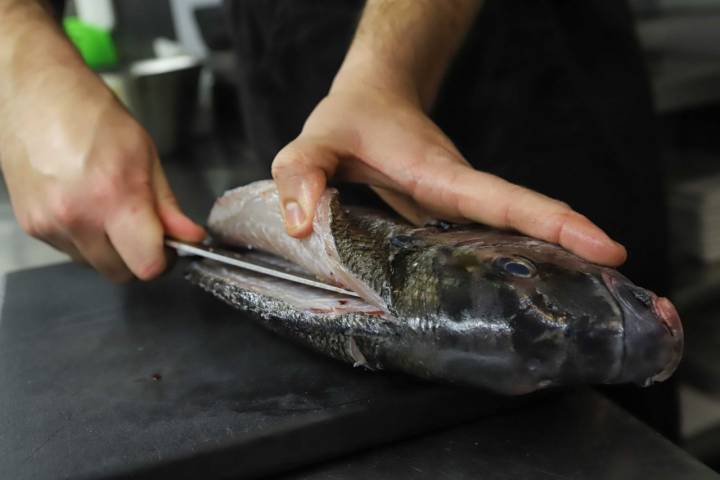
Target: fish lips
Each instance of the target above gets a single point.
(653, 337)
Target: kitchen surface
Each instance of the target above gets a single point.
(182, 386)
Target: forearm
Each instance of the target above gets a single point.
(407, 45)
(35, 53)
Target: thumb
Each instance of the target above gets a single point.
(175, 222)
(301, 170)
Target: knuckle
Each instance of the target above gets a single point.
(558, 224)
(105, 187)
(119, 181)
(564, 205)
(290, 157)
(36, 225)
(304, 162)
(282, 164)
(275, 170)
(135, 178)
(132, 146)
(66, 212)
(150, 269)
(561, 218)
(125, 162)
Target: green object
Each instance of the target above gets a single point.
(95, 44)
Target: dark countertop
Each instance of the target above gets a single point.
(99, 381)
(161, 380)
(576, 435)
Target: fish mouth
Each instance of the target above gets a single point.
(665, 310)
(653, 333)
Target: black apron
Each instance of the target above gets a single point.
(550, 94)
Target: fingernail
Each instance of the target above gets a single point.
(294, 215)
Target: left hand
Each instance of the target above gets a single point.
(382, 137)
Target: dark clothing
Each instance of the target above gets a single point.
(553, 95)
(288, 52)
(550, 94)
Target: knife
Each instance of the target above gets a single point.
(193, 250)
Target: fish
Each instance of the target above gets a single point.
(464, 304)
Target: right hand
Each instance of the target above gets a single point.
(84, 177)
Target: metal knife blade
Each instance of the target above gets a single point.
(186, 249)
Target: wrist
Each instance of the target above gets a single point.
(364, 70)
(405, 47)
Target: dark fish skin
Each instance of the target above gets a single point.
(560, 325)
(469, 305)
(343, 335)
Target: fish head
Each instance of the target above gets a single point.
(565, 320)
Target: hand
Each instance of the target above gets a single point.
(84, 177)
(370, 134)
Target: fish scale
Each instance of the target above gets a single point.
(341, 328)
(361, 249)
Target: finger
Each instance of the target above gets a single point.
(300, 171)
(175, 222)
(488, 199)
(65, 246)
(405, 206)
(136, 233)
(97, 250)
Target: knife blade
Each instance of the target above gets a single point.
(186, 249)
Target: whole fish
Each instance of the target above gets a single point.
(464, 304)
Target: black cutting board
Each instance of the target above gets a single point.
(161, 380)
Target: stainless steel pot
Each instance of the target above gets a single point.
(162, 93)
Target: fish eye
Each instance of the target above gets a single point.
(516, 266)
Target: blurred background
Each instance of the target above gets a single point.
(171, 62)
